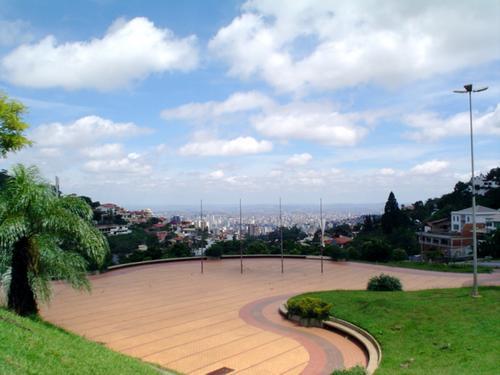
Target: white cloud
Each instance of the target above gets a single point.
(387, 172)
(430, 167)
(237, 102)
(431, 127)
(123, 165)
(104, 151)
(311, 122)
(216, 175)
(84, 131)
(219, 147)
(333, 44)
(14, 32)
(129, 51)
(299, 159)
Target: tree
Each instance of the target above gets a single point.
(12, 126)
(42, 237)
(393, 217)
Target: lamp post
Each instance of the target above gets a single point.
(469, 90)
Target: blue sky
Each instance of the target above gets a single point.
(159, 103)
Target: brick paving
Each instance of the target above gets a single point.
(172, 315)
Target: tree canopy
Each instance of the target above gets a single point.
(42, 237)
(12, 127)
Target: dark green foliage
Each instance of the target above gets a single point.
(309, 308)
(353, 253)
(376, 250)
(3, 177)
(293, 234)
(44, 236)
(491, 246)
(494, 175)
(399, 255)
(128, 243)
(384, 283)
(393, 218)
(335, 252)
(179, 250)
(257, 247)
(215, 250)
(404, 238)
(340, 230)
(356, 370)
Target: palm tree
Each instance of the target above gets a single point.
(44, 236)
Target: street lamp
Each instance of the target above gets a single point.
(469, 90)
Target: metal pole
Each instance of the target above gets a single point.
(322, 231)
(201, 227)
(469, 90)
(475, 292)
(281, 238)
(241, 248)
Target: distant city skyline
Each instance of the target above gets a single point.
(166, 103)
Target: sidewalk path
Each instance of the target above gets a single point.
(172, 315)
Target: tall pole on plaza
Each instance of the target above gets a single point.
(322, 228)
(201, 227)
(469, 90)
(281, 238)
(241, 247)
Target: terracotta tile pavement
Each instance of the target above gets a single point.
(174, 316)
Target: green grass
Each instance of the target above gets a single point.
(442, 267)
(32, 346)
(441, 331)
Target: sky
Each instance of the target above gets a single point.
(159, 103)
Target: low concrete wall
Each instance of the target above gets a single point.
(184, 259)
(364, 339)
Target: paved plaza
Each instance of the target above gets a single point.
(173, 315)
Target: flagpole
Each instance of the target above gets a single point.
(241, 248)
(281, 238)
(322, 228)
(201, 227)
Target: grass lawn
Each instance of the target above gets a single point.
(31, 346)
(440, 331)
(452, 267)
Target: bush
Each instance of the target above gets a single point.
(399, 255)
(335, 252)
(384, 283)
(215, 251)
(309, 308)
(356, 370)
(353, 253)
(376, 250)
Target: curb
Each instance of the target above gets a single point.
(363, 338)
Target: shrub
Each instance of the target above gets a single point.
(215, 250)
(399, 255)
(376, 250)
(356, 370)
(384, 283)
(309, 308)
(353, 253)
(335, 252)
